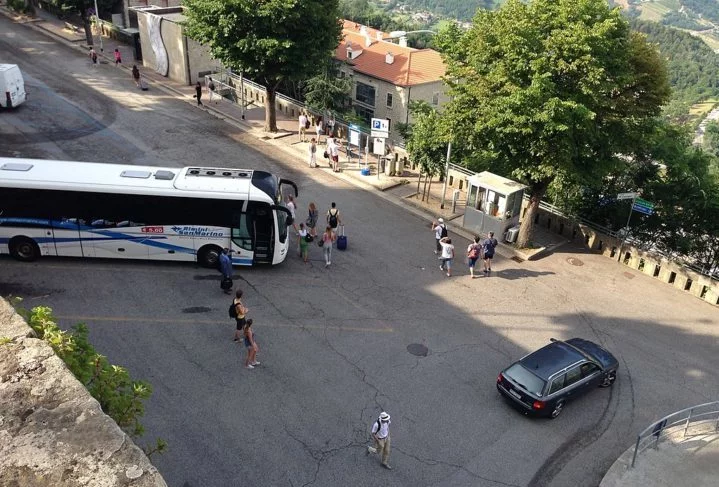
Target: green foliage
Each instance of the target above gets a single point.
(551, 89)
(119, 396)
(427, 139)
(21, 6)
(703, 8)
(692, 66)
(458, 9)
(270, 41)
(682, 20)
(327, 91)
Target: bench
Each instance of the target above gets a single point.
(72, 28)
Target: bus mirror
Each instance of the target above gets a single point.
(294, 186)
(289, 219)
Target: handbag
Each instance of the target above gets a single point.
(320, 242)
(326, 155)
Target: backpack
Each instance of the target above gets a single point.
(444, 231)
(488, 247)
(474, 252)
(333, 219)
(212, 86)
(233, 310)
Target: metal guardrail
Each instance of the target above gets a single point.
(703, 414)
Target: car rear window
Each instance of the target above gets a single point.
(525, 379)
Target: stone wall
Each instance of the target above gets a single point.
(52, 432)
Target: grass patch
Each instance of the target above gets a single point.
(700, 110)
(652, 11)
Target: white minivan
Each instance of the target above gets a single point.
(12, 86)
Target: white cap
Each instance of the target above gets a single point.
(440, 220)
(383, 416)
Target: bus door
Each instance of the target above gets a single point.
(242, 233)
(66, 234)
(261, 224)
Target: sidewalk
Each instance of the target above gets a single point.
(401, 190)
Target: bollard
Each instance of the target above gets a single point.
(455, 198)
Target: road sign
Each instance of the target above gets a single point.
(354, 137)
(627, 196)
(644, 203)
(378, 147)
(380, 127)
(642, 209)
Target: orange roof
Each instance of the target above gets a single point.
(410, 67)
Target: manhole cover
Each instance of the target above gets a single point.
(196, 309)
(629, 275)
(575, 261)
(417, 349)
(517, 259)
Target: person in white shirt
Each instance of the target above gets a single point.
(440, 230)
(380, 434)
(312, 153)
(303, 127)
(292, 207)
(318, 129)
(334, 151)
(447, 255)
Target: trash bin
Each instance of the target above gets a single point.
(512, 234)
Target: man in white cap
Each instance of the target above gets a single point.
(440, 231)
(380, 433)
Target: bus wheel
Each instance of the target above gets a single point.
(209, 256)
(24, 249)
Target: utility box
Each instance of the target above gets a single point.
(512, 234)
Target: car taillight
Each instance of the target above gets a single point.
(538, 405)
(500, 378)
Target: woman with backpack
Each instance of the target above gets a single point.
(488, 247)
(473, 252)
(240, 312)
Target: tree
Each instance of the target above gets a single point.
(327, 92)
(270, 40)
(426, 141)
(550, 89)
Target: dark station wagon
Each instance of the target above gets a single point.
(542, 382)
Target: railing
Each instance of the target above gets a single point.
(704, 414)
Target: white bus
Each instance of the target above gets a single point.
(80, 209)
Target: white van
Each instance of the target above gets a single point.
(12, 86)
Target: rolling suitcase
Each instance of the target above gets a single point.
(342, 239)
(143, 85)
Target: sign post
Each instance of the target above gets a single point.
(354, 140)
(380, 131)
(638, 205)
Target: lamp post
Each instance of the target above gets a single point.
(97, 23)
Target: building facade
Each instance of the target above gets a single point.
(386, 76)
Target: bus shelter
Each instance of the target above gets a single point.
(493, 204)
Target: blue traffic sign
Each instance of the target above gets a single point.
(643, 209)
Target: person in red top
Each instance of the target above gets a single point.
(118, 57)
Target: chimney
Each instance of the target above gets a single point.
(389, 58)
(378, 35)
(367, 39)
(403, 41)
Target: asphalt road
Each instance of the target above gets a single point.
(335, 343)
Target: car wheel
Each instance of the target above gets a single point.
(209, 256)
(558, 407)
(24, 249)
(609, 379)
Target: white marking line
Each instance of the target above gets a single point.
(140, 319)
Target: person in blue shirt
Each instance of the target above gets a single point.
(226, 269)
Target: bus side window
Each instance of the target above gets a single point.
(240, 231)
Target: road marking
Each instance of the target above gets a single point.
(140, 319)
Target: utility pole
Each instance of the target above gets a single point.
(446, 173)
(97, 23)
